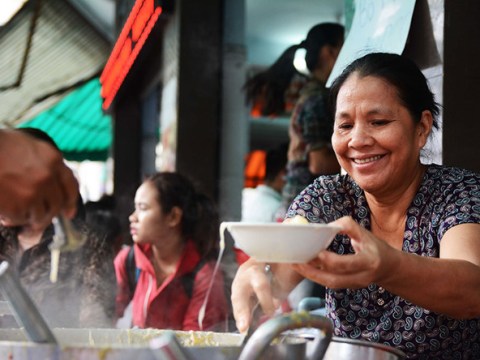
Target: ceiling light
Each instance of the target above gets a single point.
(299, 61)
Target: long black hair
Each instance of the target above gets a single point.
(271, 84)
(200, 220)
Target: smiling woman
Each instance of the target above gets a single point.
(405, 268)
(375, 138)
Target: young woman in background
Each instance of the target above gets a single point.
(175, 233)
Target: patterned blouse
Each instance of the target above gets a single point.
(446, 197)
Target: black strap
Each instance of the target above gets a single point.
(131, 268)
(188, 279)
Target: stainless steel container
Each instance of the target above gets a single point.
(116, 344)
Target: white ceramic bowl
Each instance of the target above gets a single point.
(281, 242)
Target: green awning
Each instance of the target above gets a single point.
(78, 124)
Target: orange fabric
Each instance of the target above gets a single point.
(256, 110)
(255, 168)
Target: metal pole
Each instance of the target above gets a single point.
(235, 125)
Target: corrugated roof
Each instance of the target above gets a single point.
(77, 124)
(65, 50)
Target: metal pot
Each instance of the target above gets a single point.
(341, 348)
(116, 344)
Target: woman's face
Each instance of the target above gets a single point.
(375, 138)
(148, 223)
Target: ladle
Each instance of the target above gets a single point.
(67, 237)
(24, 310)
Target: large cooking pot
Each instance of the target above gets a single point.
(265, 343)
(275, 339)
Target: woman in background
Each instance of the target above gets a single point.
(167, 276)
(310, 152)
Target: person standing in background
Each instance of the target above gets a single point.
(262, 203)
(174, 228)
(310, 151)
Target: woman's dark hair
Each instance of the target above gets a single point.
(318, 36)
(401, 72)
(200, 220)
(270, 85)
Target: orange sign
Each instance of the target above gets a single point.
(138, 26)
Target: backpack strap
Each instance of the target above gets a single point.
(188, 279)
(132, 271)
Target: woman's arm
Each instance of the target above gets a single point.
(449, 284)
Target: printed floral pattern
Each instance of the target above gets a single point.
(446, 197)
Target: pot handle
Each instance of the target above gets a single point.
(272, 328)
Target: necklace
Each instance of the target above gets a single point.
(389, 231)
